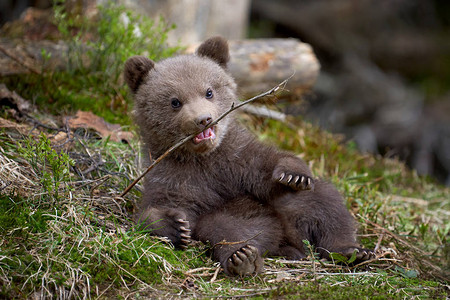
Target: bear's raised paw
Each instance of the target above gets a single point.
(297, 182)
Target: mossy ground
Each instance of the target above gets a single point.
(66, 232)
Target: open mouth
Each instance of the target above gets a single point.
(207, 134)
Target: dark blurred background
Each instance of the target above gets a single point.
(385, 76)
(385, 64)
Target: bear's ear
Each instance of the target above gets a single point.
(215, 48)
(136, 68)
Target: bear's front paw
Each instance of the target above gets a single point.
(295, 181)
(184, 232)
(173, 224)
(245, 261)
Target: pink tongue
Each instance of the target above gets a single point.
(207, 134)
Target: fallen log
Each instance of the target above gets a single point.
(19, 56)
(256, 65)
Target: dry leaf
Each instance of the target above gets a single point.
(85, 119)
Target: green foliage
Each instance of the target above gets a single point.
(97, 51)
(50, 166)
(117, 35)
(309, 249)
(339, 258)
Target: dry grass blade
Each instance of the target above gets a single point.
(14, 177)
(437, 271)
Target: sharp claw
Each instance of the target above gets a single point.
(183, 235)
(296, 179)
(184, 228)
(247, 251)
(236, 259)
(309, 182)
(303, 179)
(281, 176)
(184, 241)
(252, 248)
(289, 179)
(241, 255)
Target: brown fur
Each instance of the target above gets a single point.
(246, 198)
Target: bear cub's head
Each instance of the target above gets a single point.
(179, 96)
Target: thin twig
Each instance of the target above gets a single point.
(215, 274)
(190, 137)
(201, 269)
(380, 239)
(395, 236)
(102, 181)
(238, 242)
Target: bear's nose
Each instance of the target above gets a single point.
(203, 121)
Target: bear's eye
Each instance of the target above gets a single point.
(209, 94)
(175, 103)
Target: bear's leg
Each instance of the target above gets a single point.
(320, 217)
(239, 235)
(290, 252)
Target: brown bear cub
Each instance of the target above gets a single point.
(224, 187)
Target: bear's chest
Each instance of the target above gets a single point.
(210, 176)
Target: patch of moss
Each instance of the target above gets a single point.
(17, 216)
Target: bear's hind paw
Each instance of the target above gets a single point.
(245, 261)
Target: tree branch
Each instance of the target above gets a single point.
(272, 91)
